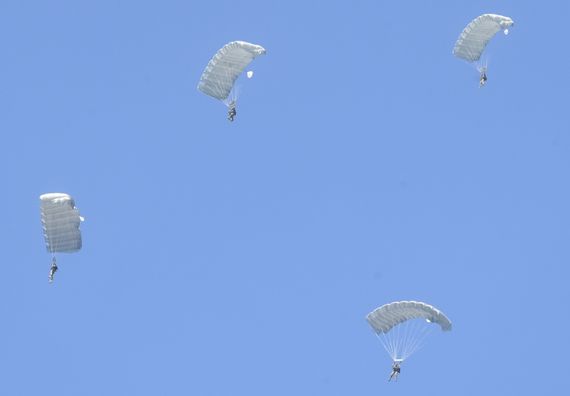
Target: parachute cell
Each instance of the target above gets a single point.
(225, 67)
(60, 222)
(474, 38)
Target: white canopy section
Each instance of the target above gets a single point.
(60, 221)
(474, 38)
(387, 316)
(225, 67)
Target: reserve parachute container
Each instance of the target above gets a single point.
(402, 326)
(219, 78)
(60, 222)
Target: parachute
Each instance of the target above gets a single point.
(474, 38)
(225, 67)
(402, 326)
(60, 222)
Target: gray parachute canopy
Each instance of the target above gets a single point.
(474, 38)
(384, 318)
(225, 67)
(60, 221)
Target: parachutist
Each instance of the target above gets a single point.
(232, 111)
(474, 38)
(401, 326)
(395, 371)
(225, 67)
(483, 78)
(53, 269)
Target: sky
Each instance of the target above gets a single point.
(365, 166)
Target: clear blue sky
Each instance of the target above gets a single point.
(365, 166)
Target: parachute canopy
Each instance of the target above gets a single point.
(474, 38)
(383, 319)
(401, 326)
(225, 67)
(60, 221)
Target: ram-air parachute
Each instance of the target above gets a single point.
(403, 326)
(224, 69)
(60, 222)
(475, 37)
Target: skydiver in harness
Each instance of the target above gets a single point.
(395, 371)
(483, 78)
(53, 269)
(232, 111)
